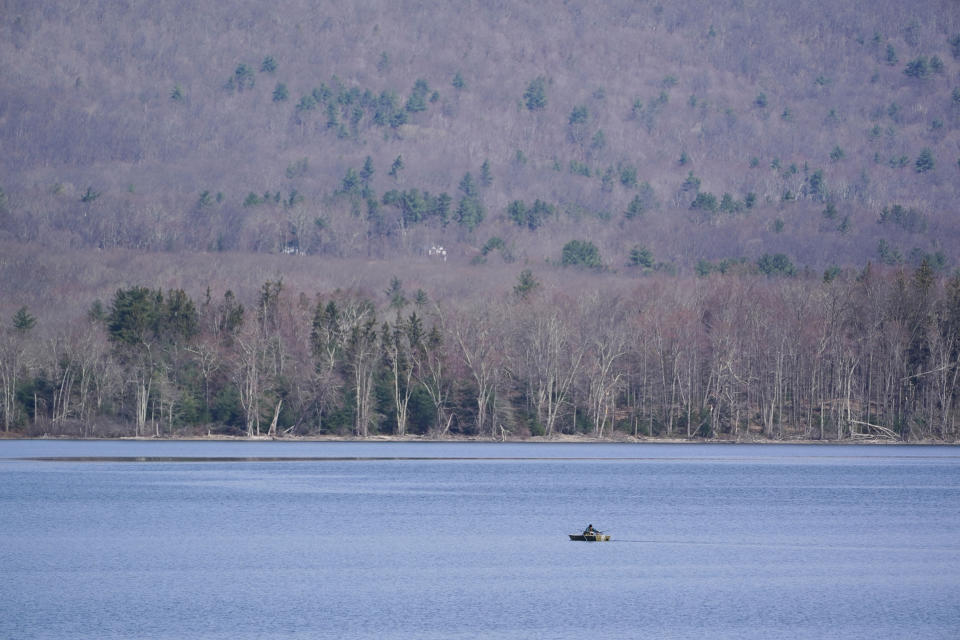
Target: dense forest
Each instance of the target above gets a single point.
(873, 355)
(729, 219)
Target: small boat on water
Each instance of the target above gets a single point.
(590, 537)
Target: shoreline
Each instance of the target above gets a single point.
(557, 439)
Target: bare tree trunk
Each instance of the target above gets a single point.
(143, 384)
(431, 372)
(246, 376)
(475, 337)
(11, 356)
(401, 370)
(273, 423)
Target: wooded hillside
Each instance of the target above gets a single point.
(558, 162)
(699, 131)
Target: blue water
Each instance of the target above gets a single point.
(468, 540)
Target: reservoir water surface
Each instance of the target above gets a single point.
(243, 540)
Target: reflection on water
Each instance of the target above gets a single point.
(440, 540)
(248, 450)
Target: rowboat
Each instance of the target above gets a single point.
(590, 537)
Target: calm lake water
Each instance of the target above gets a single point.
(436, 540)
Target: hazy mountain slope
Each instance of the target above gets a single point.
(115, 118)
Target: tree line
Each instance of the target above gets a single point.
(870, 354)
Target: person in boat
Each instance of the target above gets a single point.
(590, 531)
